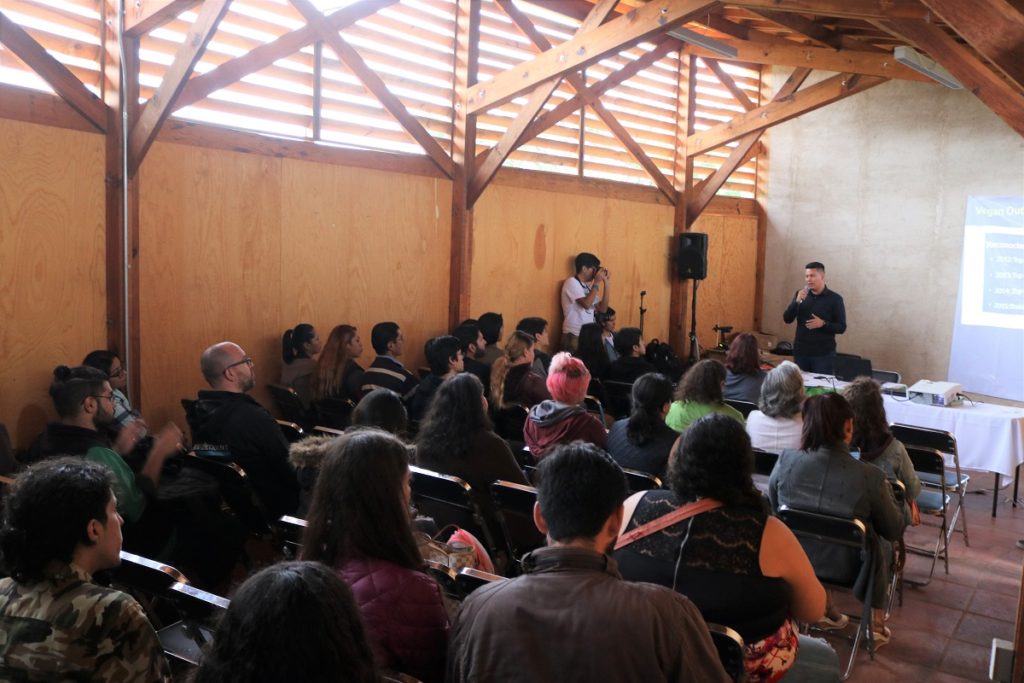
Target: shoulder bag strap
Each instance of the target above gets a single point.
(678, 515)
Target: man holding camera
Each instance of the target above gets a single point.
(582, 295)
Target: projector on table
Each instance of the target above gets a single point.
(935, 393)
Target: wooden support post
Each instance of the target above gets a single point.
(467, 39)
(679, 297)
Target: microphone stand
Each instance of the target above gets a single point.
(694, 349)
(643, 293)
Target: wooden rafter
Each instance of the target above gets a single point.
(748, 146)
(161, 104)
(788, 53)
(808, 28)
(369, 78)
(998, 94)
(142, 16)
(583, 49)
(234, 70)
(538, 98)
(577, 82)
(994, 28)
(854, 9)
(56, 75)
(775, 112)
(730, 84)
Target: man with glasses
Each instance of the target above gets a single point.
(226, 415)
(84, 401)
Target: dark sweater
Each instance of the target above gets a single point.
(628, 369)
(829, 307)
(652, 457)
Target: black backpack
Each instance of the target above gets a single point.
(664, 357)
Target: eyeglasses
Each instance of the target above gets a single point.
(118, 372)
(109, 397)
(246, 360)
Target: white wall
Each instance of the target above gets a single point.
(875, 187)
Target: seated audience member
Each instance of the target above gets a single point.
(699, 393)
(383, 409)
(871, 436)
(590, 350)
(563, 418)
(299, 348)
(337, 375)
(82, 397)
(492, 326)
(386, 371)
(823, 477)
(631, 363)
(513, 380)
(607, 322)
(226, 415)
(538, 327)
(110, 365)
(457, 438)
(444, 355)
(292, 621)
(473, 348)
(742, 568)
(777, 423)
(60, 527)
(743, 373)
(306, 456)
(642, 441)
(571, 616)
(359, 524)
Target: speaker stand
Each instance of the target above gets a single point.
(694, 350)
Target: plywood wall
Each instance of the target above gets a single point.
(726, 297)
(241, 246)
(52, 287)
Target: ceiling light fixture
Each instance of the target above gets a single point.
(924, 64)
(718, 47)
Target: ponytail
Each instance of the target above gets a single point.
(287, 350)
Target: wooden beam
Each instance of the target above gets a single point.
(747, 148)
(852, 9)
(161, 103)
(56, 75)
(680, 290)
(775, 112)
(788, 53)
(725, 79)
(512, 136)
(584, 49)
(142, 16)
(994, 28)
(234, 70)
(579, 84)
(369, 78)
(998, 94)
(467, 51)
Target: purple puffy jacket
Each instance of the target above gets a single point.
(405, 617)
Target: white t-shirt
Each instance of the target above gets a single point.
(575, 316)
(774, 433)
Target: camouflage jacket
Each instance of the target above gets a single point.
(69, 629)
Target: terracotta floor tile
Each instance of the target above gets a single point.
(993, 605)
(980, 630)
(966, 660)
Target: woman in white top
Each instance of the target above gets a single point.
(777, 423)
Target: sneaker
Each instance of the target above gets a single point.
(827, 623)
(881, 637)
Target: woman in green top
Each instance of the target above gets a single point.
(699, 393)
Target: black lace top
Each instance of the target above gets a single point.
(713, 559)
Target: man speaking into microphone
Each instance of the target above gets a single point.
(820, 315)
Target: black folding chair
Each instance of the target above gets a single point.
(320, 430)
(289, 532)
(199, 613)
(932, 502)
(234, 486)
(335, 412)
(839, 550)
(745, 407)
(620, 397)
(449, 501)
(514, 505)
(594, 407)
(952, 482)
(289, 405)
(469, 579)
(640, 481)
(291, 430)
(509, 421)
(729, 645)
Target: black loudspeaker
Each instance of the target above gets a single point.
(692, 256)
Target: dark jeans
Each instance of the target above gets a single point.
(820, 364)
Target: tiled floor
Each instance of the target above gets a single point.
(943, 631)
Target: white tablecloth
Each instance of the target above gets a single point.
(989, 437)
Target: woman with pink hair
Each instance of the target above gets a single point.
(563, 419)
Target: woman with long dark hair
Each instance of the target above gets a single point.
(293, 621)
(299, 348)
(699, 393)
(512, 378)
(740, 566)
(382, 408)
(359, 524)
(823, 477)
(642, 441)
(743, 373)
(337, 374)
(591, 350)
(874, 441)
(456, 438)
